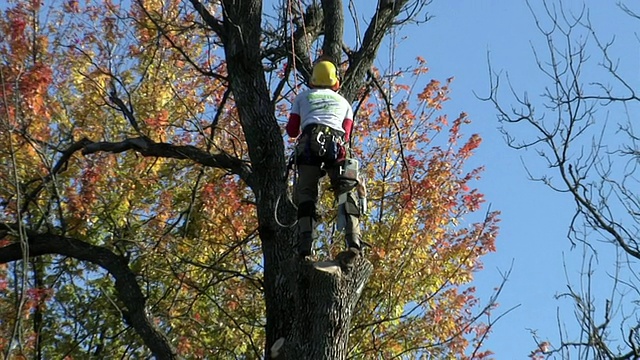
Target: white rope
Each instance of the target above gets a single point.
(275, 214)
(295, 180)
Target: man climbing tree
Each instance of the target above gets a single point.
(326, 120)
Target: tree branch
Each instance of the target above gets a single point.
(127, 111)
(398, 131)
(148, 147)
(128, 290)
(362, 59)
(333, 29)
(297, 47)
(209, 19)
(60, 166)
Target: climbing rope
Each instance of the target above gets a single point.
(294, 64)
(290, 167)
(294, 71)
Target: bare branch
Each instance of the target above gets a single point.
(148, 147)
(361, 60)
(398, 132)
(209, 19)
(575, 139)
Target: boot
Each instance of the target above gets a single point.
(347, 258)
(353, 243)
(305, 243)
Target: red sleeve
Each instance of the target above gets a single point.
(347, 125)
(293, 125)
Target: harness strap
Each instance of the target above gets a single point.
(321, 132)
(320, 144)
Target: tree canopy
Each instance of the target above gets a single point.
(143, 188)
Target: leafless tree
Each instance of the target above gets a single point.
(582, 126)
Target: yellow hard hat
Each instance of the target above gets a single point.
(324, 74)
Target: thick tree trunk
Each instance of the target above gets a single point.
(325, 295)
(242, 28)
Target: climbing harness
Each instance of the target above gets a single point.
(320, 145)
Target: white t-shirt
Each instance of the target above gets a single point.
(322, 106)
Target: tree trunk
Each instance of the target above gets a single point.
(325, 296)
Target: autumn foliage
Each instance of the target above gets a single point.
(94, 100)
(420, 194)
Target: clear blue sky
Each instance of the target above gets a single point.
(535, 219)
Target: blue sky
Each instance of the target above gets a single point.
(535, 220)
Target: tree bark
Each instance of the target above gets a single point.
(333, 29)
(242, 26)
(325, 296)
